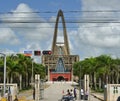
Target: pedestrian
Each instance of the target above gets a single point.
(75, 93)
(68, 92)
(86, 95)
(82, 94)
(71, 92)
(34, 93)
(63, 92)
(9, 97)
(66, 97)
(6, 94)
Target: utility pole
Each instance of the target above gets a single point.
(80, 82)
(32, 73)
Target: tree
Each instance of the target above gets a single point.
(105, 62)
(102, 69)
(1, 68)
(11, 68)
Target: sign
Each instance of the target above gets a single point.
(46, 52)
(28, 53)
(37, 53)
(113, 92)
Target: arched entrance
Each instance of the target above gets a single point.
(60, 78)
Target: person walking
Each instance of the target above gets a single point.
(82, 94)
(75, 93)
(34, 93)
(86, 95)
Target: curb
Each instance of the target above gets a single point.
(98, 97)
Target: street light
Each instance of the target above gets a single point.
(80, 82)
(32, 73)
(4, 72)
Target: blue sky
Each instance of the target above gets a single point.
(41, 5)
(85, 39)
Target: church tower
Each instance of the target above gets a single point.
(59, 64)
(65, 45)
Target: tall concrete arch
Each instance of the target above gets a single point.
(59, 64)
(65, 47)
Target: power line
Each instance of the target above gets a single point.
(68, 17)
(75, 11)
(70, 11)
(80, 27)
(75, 21)
(95, 19)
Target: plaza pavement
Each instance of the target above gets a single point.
(56, 90)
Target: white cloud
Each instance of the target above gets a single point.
(53, 18)
(99, 38)
(88, 40)
(28, 32)
(98, 4)
(7, 36)
(31, 46)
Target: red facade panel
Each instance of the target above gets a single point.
(60, 76)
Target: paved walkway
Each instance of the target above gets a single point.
(55, 91)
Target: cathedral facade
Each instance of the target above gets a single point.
(60, 62)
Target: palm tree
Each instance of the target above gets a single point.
(102, 69)
(21, 69)
(29, 70)
(1, 69)
(11, 68)
(40, 69)
(76, 68)
(92, 64)
(117, 70)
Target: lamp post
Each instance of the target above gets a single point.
(4, 72)
(80, 83)
(32, 73)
